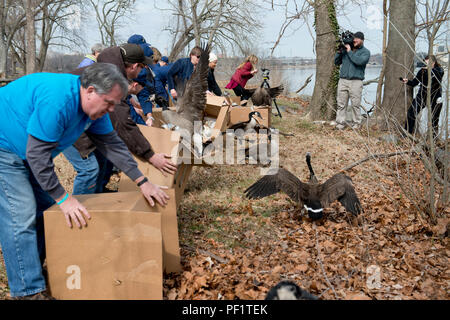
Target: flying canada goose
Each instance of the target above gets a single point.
(191, 104)
(263, 96)
(312, 195)
(288, 290)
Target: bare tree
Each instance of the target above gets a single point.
(400, 53)
(30, 7)
(226, 24)
(110, 15)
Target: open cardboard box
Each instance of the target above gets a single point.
(117, 256)
(240, 114)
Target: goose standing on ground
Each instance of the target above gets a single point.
(191, 105)
(312, 195)
(288, 290)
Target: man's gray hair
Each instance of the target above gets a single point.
(98, 47)
(103, 77)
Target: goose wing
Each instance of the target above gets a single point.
(280, 180)
(340, 187)
(193, 101)
(276, 91)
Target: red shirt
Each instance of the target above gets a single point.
(241, 76)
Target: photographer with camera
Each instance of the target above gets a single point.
(420, 101)
(353, 58)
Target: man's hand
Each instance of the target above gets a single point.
(404, 80)
(347, 46)
(149, 121)
(173, 92)
(74, 211)
(161, 161)
(152, 191)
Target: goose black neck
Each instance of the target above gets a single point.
(308, 162)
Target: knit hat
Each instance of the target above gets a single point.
(212, 57)
(359, 35)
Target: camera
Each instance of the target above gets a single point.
(265, 73)
(346, 38)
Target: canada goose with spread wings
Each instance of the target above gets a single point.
(263, 96)
(191, 105)
(312, 195)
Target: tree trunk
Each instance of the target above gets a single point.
(3, 45)
(323, 103)
(399, 63)
(31, 38)
(383, 68)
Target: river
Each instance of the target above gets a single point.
(296, 77)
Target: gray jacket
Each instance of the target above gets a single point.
(353, 63)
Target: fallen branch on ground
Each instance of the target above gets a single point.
(378, 156)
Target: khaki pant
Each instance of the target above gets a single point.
(349, 89)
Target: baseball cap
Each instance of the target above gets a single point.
(142, 78)
(136, 39)
(359, 35)
(165, 59)
(148, 52)
(132, 53)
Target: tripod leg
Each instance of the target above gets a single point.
(279, 113)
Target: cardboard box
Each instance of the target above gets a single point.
(240, 114)
(162, 141)
(117, 256)
(222, 101)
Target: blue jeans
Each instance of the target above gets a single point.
(22, 202)
(93, 173)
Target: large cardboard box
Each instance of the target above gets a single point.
(163, 141)
(117, 256)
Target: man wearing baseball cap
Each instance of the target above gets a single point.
(93, 169)
(353, 63)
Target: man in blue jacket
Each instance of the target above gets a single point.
(92, 58)
(161, 70)
(353, 65)
(180, 72)
(41, 115)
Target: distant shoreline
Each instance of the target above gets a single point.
(313, 66)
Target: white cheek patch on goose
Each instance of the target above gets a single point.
(313, 210)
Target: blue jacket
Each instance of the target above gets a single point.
(87, 61)
(353, 63)
(182, 68)
(161, 73)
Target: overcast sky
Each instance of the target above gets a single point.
(297, 41)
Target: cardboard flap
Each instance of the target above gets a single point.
(162, 141)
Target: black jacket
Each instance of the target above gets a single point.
(212, 84)
(422, 78)
(121, 119)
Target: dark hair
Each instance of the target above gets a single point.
(433, 58)
(103, 77)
